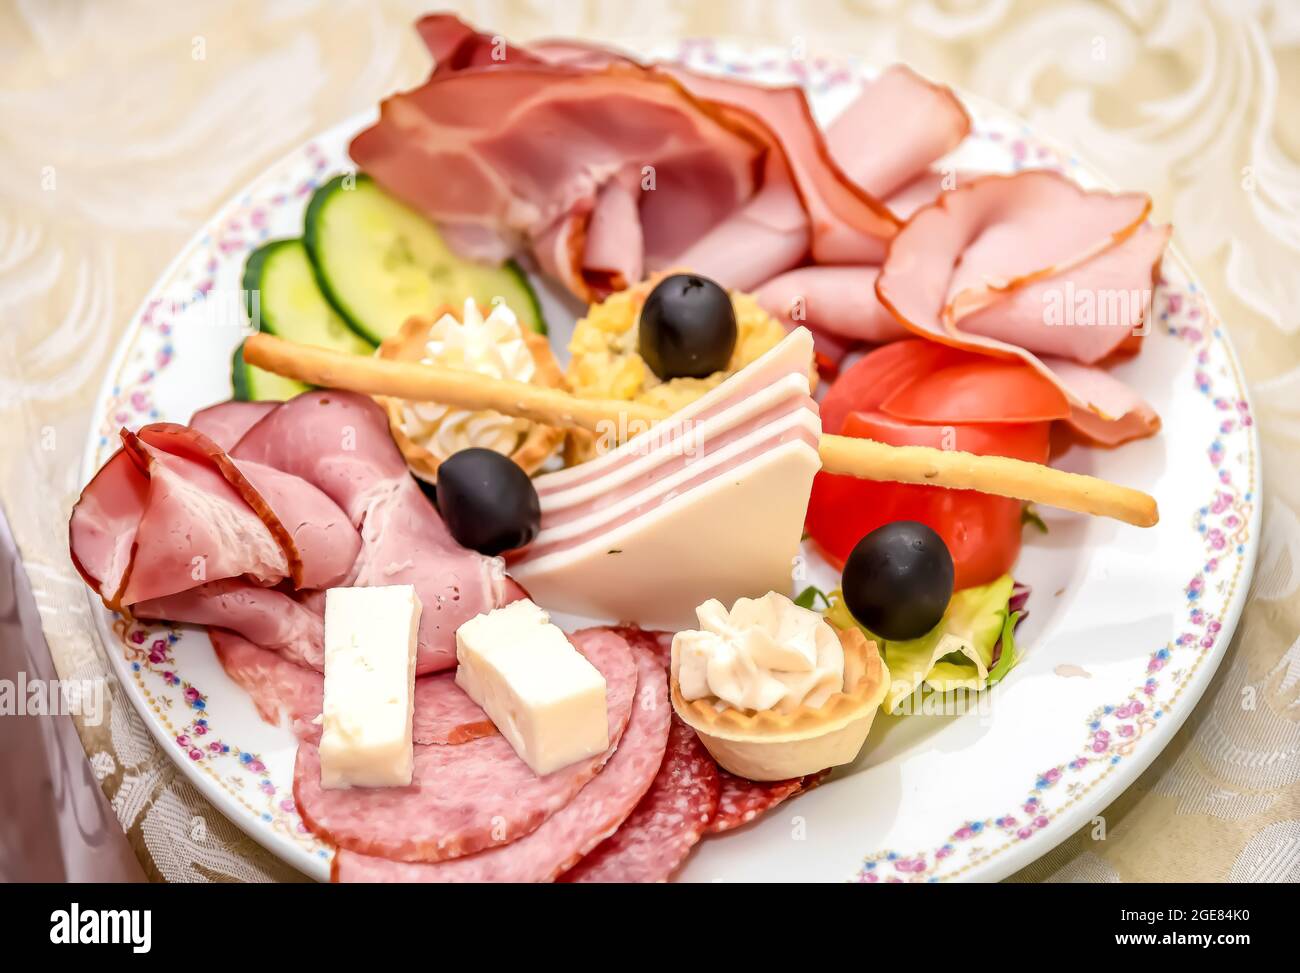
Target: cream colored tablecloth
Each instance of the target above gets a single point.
(123, 125)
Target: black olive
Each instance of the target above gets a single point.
(487, 502)
(898, 580)
(687, 328)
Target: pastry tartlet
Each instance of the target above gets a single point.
(771, 745)
(604, 362)
(536, 444)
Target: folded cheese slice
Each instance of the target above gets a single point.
(708, 503)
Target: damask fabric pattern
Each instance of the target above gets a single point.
(124, 125)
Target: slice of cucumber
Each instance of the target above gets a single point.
(379, 262)
(253, 384)
(283, 298)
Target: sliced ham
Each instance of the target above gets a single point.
(318, 541)
(226, 422)
(982, 255)
(841, 300)
(340, 443)
(101, 531)
(283, 693)
(597, 810)
(849, 224)
(897, 126)
(543, 140)
(467, 798)
(265, 616)
(925, 189)
(195, 528)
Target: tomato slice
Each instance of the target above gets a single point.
(984, 390)
(982, 531)
(878, 374)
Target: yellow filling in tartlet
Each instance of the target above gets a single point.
(605, 364)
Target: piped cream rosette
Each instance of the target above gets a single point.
(752, 655)
(496, 346)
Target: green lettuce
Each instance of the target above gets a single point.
(956, 654)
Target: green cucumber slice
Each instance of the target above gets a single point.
(253, 384)
(379, 262)
(282, 298)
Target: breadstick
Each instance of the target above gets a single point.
(864, 458)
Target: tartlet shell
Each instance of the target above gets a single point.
(407, 344)
(767, 745)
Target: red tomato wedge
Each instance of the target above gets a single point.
(982, 531)
(879, 374)
(985, 390)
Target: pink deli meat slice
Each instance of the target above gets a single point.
(283, 693)
(317, 538)
(838, 300)
(195, 527)
(894, 129)
(340, 443)
(741, 801)
(667, 823)
(265, 616)
(289, 694)
(101, 531)
(226, 422)
(962, 262)
(571, 832)
(467, 798)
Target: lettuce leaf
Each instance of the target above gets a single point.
(956, 654)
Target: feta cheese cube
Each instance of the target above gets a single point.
(543, 695)
(370, 636)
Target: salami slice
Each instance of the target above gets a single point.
(741, 800)
(283, 693)
(572, 831)
(466, 798)
(289, 694)
(666, 824)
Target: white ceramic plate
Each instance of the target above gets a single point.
(1126, 626)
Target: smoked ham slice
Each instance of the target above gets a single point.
(980, 268)
(897, 126)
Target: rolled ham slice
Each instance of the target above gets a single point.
(195, 527)
(978, 270)
(542, 143)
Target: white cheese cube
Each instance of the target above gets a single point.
(370, 636)
(543, 695)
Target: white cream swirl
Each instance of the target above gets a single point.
(492, 346)
(766, 653)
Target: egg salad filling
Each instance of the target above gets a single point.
(605, 363)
